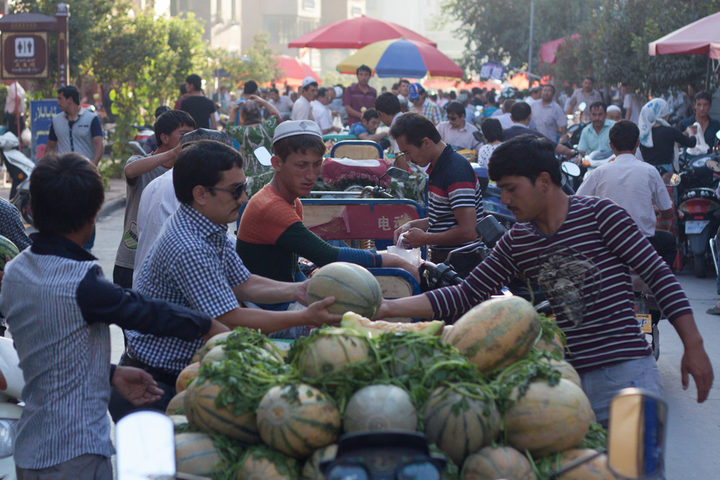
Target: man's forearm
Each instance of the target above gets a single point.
(99, 149)
(687, 331)
(417, 306)
(264, 290)
(144, 165)
(352, 112)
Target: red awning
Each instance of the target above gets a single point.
(292, 71)
(356, 33)
(698, 38)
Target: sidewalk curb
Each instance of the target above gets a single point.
(111, 206)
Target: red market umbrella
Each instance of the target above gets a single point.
(698, 38)
(401, 58)
(549, 49)
(292, 71)
(356, 33)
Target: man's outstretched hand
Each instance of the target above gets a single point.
(696, 362)
(136, 385)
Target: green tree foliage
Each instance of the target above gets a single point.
(613, 43)
(499, 30)
(257, 63)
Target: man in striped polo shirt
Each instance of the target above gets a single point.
(580, 251)
(454, 195)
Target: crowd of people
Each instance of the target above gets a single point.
(182, 276)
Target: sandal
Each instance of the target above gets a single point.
(715, 310)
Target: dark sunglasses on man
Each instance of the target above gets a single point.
(236, 191)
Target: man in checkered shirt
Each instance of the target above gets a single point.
(193, 263)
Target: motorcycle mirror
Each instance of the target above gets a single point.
(717, 134)
(490, 230)
(145, 444)
(137, 148)
(571, 169)
(674, 180)
(581, 107)
(713, 166)
(397, 173)
(636, 434)
(263, 156)
(477, 135)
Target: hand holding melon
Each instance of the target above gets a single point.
(353, 287)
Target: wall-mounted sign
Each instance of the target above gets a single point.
(492, 70)
(24, 55)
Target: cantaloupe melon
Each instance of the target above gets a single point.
(311, 469)
(195, 453)
(186, 375)
(460, 424)
(262, 463)
(492, 463)
(297, 419)
(218, 339)
(204, 413)
(567, 371)
(595, 469)
(329, 350)
(495, 333)
(379, 407)
(176, 406)
(548, 419)
(355, 289)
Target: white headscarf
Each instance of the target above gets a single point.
(654, 112)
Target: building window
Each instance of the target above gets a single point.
(308, 4)
(356, 11)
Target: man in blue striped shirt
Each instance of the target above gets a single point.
(454, 195)
(580, 251)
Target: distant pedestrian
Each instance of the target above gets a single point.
(201, 108)
(359, 95)
(302, 110)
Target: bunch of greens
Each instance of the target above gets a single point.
(520, 375)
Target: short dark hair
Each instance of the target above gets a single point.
(520, 111)
(588, 77)
(363, 68)
(321, 92)
(66, 192)
(387, 103)
(160, 110)
(404, 80)
(170, 121)
(194, 80)
(250, 87)
(70, 91)
(309, 85)
(274, 90)
(549, 85)
(597, 104)
(526, 156)
(455, 107)
(492, 130)
(624, 135)
(283, 148)
(702, 96)
(414, 127)
(250, 111)
(369, 114)
(202, 163)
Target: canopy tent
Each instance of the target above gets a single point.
(698, 38)
(356, 33)
(292, 71)
(402, 58)
(549, 49)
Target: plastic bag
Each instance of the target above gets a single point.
(700, 147)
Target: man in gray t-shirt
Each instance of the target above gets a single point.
(141, 170)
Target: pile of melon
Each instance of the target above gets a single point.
(491, 392)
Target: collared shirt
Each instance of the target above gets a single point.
(458, 137)
(193, 263)
(452, 184)
(579, 96)
(302, 110)
(76, 136)
(284, 105)
(356, 98)
(11, 226)
(429, 110)
(58, 307)
(634, 185)
(15, 94)
(591, 141)
(321, 114)
(549, 118)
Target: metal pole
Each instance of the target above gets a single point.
(61, 17)
(530, 49)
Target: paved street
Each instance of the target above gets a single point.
(693, 439)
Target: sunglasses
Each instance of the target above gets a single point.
(235, 192)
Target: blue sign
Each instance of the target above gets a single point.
(492, 70)
(41, 115)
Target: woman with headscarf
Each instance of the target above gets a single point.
(254, 132)
(657, 138)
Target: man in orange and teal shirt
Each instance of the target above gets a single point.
(272, 235)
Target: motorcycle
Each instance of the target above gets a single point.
(596, 159)
(11, 385)
(698, 208)
(19, 167)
